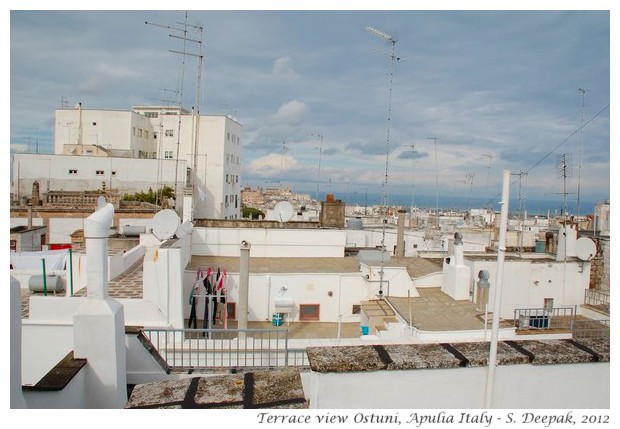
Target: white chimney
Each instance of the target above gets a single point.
(456, 275)
(567, 241)
(99, 324)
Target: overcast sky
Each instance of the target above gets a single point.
(497, 89)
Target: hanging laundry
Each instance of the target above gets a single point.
(208, 290)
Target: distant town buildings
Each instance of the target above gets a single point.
(265, 199)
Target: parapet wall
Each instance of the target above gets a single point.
(562, 374)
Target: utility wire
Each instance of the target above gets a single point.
(554, 149)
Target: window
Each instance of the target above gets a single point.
(72, 171)
(134, 131)
(227, 136)
(94, 124)
(113, 173)
(168, 154)
(151, 114)
(169, 133)
(309, 311)
(146, 134)
(139, 132)
(549, 304)
(236, 201)
(155, 136)
(231, 309)
(227, 178)
(99, 172)
(356, 309)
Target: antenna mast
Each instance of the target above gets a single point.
(318, 180)
(583, 102)
(393, 59)
(436, 180)
(413, 152)
(284, 150)
(521, 217)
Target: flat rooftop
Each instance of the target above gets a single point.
(416, 267)
(433, 310)
(346, 264)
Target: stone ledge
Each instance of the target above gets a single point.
(280, 388)
(454, 355)
(59, 377)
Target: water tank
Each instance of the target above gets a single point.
(133, 230)
(53, 283)
(354, 223)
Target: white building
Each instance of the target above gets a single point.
(149, 146)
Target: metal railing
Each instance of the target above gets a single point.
(225, 348)
(590, 328)
(597, 298)
(543, 318)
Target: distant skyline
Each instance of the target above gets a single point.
(497, 89)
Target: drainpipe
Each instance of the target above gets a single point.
(244, 286)
(501, 250)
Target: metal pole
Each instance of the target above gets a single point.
(71, 271)
(44, 278)
(501, 250)
(244, 284)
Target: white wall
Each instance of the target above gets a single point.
(265, 289)
(73, 396)
(571, 386)
(131, 175)
(43, 346)
(415, 241)
(558, 280)
(60, 229)
(163, 280)
(396, 280)
(269, 242)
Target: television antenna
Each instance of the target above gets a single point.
(393, 58)
(563, 169)
(182, 34)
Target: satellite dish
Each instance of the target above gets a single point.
(101, 202)
(165, 224)
(585, 248)
(283, 211)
